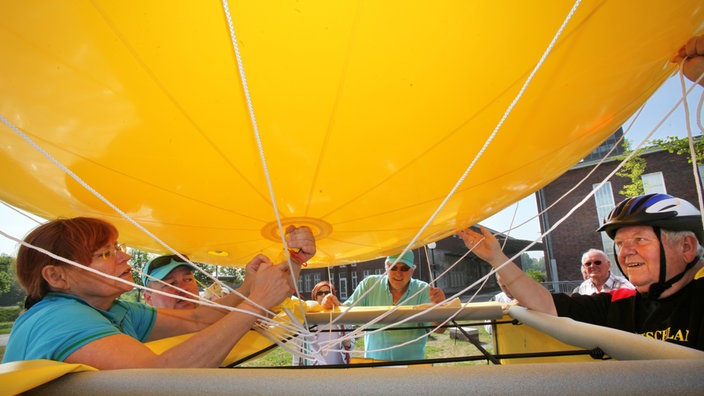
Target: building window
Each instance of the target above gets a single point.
(308, 285)
(366, 273)
(316, 278)
(456, 278)
(653, 183)
(379, 271)
(343, 287)
(604, 198)
(354, 279)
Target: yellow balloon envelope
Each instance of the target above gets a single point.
(357, 118)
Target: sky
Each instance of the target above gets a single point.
(655, 109)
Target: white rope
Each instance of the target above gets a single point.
(505, 116)
(12, 208)
(690, 139)
(507, 112)
(257, 137)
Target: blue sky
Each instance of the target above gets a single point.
(654, 111)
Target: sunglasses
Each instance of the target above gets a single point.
(165, 260)
(402, 268)
(589, 263)
(322, 293)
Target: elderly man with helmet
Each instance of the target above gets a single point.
(658, 244)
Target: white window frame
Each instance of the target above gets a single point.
(653, 183)
(343, 287)
(604, 200)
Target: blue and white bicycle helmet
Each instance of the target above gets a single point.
(658, 210)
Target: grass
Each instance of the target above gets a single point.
(5, 327)
(438, 346)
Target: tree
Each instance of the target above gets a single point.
(5, 273)
(534, 268)
(632, 169)
(138, 261)
(537, 276)
(635, 167)
(234, 275)
(11, 292)
(680, 146)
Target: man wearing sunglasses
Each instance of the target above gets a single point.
(599, 278)
(170, 274)
(396, 287)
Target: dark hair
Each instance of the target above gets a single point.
(74, 239)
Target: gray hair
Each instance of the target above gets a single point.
(593, 251)
(677, 237)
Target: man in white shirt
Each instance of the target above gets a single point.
(599, 278)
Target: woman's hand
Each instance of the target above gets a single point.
(330, 302)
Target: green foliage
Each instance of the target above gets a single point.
(538, 276)
(219, 271)
(530, 263)
(133, 295)
(680, 146)
(139, 259)
(632, 170)
(6, 276)
(6, 327)
(535, 268)
(11, 292)
(9, 314)
(635, 167)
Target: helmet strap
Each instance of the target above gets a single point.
(657, 289)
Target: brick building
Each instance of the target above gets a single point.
(563, 248)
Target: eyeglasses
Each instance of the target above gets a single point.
(111, 252)
(165, 260)
(322, 293)
(589, 263)
(402, 268)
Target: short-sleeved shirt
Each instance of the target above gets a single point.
(59, 324)
(678, 318)
(612, 283)
(380, 295)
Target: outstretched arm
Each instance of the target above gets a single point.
(175, 322)
(266, 286)
(206, 348)
(528, 292)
